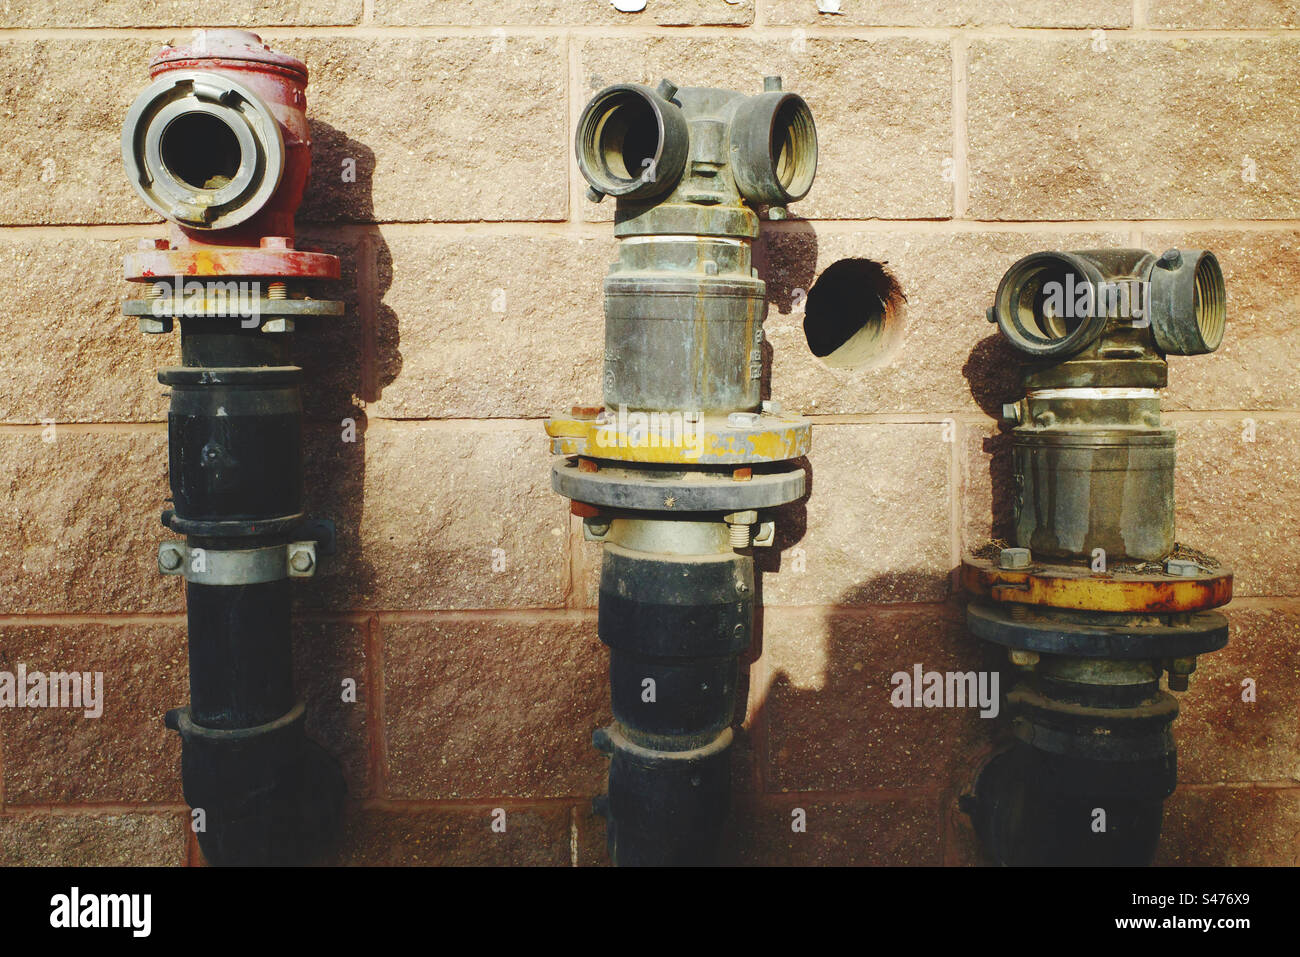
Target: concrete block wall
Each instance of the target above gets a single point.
(956, 137)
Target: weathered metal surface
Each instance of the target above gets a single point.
(1200, 633)
(681, 429)
(1081, 489)
(676, 490)
(1062, 586)
(669, 439)
(219, 146)
(166, 263)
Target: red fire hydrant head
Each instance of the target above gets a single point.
(219, 145)
(219, 142)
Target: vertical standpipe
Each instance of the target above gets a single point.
(219, 146)
(1095, 601)
(673, 471)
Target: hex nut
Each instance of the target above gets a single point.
(1014, 558)
(170, 557)
(302, 560)
(1181, 568)
(742, 420)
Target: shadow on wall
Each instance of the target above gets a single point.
(793, 272)
(993, 373)
(825, 745)
(344, 371)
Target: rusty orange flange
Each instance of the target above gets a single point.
(1066, 586)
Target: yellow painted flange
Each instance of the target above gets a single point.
(1069, 586)
(663, 438)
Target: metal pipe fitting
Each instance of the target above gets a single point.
(673, 471)
(1094, 601)
(218, 145)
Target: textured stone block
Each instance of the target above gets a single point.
(849, 832)
(79, 529)
(477, 707)
(1220, 736)
(1142, 129)
(875, 527)
(490, 326)
(508, 13)
(446, 129)
(59, 755)
(1231, 827)
(830, 723)
(62, 147)
(949, 13)
(533, 836)
(135, 839)
(1235, 498)
(168, 13)
(441, 515)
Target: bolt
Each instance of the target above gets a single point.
(710, 267)
(586, 411)
(152, 326)
(588, 465)
(742, 474)
(1171, 259)
(1017, 611)
(777, 213)
(667, 89)
(1023, 659)
(153, 244)
(1014, 558)
(276, 242)
(740, 527)
(991, 314)
(276, 290)
(771, 84)
(1181, 568)
(301, 561)
(1045, 420)
(279, 324)
(170, 558)
(1011, 412)
(742, 420)
(772, 407)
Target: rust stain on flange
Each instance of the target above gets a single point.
(1064, 586)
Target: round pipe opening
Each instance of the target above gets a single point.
(1041, 305)
(793, 148)
(1047, 305)
(201, 151)
(1209, 301)
(627, 137)
(631, 142)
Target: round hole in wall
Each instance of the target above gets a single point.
(852, 314)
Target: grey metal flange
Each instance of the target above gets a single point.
(675, 491)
